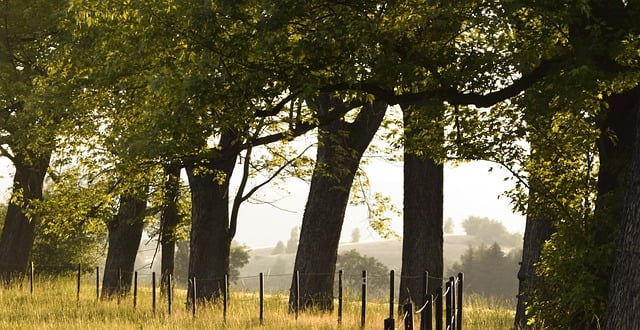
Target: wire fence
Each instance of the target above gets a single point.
(441, 307)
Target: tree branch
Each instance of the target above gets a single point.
(450, 94)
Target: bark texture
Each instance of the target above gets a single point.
(21, 220)
(340, 148)
(210, 241)
(125, 232)
(422, 238)
(623, 306)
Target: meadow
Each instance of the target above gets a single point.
(55, 304)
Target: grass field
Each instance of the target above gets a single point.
(54, 304)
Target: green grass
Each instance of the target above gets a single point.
(54, 305)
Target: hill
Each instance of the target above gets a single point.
(278, 268)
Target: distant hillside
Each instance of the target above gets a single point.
(278, 268)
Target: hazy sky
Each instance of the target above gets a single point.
(469, 190)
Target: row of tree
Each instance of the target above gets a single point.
(114, 98)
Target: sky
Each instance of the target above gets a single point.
(469, 190)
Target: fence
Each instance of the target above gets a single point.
(442, 307)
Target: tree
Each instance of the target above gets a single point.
(125, 231)
(355, 235)
(279, 248)
(294, 238)
(353, 263)
(623, 307)
(422, 243)
(488, 270)
(340, 147)
(487, 231)
(170, 218)
(448, 226)
(238, 258)
(32, 108)
(200, 107)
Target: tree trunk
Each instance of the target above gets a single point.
(210, 241)
(623, 306)
(537, 231)
(422, 244)
(169, 220)
(615, 147)
(125, 232)
(340, 148)
(22, 218)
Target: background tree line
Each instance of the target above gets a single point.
(111, 100)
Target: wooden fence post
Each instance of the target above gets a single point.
(135, 289)
(449, 302)
(169, 292)
(390, 322)
(425, 313)
(31, 279)
(297, 293)
(153, 292)
(261, 299)
(459, 309)
(97, 283)
(408, 316)
(363, 311)
(340, 274)
(78, 291)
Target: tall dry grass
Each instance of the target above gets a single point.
(54, 305)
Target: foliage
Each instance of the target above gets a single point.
(488, 231)
(279, 248)
(292, 243)
(355, 235)
(489, 271)
(238, 257)
(72, 229)
(448, 226)
(352, 264)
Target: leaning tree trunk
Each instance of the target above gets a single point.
(22, 218)
(537, 231)
(125, 232)
(422, 243)
(340, 148)
(623, 305)
(210, 241)
(169, 220)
